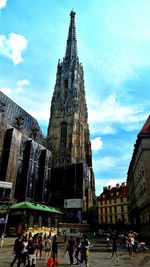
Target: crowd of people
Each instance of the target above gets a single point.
(28, 249)
(78, 250)
(127, 241)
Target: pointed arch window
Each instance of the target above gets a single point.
(66, 84)
(63, 139)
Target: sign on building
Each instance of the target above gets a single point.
(73, 203)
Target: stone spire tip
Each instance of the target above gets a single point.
(72, 13)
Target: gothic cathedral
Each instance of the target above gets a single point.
(72, 183)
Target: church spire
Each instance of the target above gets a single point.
(71, 48)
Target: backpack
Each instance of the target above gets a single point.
(48, 244)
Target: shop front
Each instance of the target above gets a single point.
(33, 217)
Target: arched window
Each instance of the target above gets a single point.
(63, 139)
(66, 84)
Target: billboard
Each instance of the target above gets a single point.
(5, 184)
(5, 192)
(73, 203)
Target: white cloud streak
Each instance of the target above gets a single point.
(105, 115)
(19, 88)
(13, 46)
(97, 144)
(105, 163)
(3, 3)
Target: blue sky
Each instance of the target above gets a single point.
(113, 39)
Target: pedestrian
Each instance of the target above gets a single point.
(55, 250)
(65, 238)
(31, 254)
(17, 250)
(77, 250)
(114, 238)
(48, 248)
(39, 247)
(2, 239)
(130, 245)
(70, 249)
(24, 250)
(107, 243)
(85, 245)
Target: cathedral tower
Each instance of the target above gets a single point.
(68, 131)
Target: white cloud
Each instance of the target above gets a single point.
(113, 182)
(3, 3)
(18, 89)
(6, 90)
(40, 114)
(97, 144)
(23, 82)
(105, 115)
(13, 46)
(104, 163)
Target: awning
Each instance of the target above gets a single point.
(34, 206)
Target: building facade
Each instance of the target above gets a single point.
(24, 160)
(112, 206)
(68, 136)
(25, 163)
(139, 182)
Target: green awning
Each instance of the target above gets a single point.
(34, 206)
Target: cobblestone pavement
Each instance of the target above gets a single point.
(99, 257)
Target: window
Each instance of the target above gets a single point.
(66, 84)
(63, 139)
(123, 218)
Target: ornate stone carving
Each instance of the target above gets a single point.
(18, 123)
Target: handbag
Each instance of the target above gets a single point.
(50, 262)
(56, 260)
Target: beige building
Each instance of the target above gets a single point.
(113, 205)
(139, 182)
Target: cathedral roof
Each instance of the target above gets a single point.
(146, 128)
(71, 48)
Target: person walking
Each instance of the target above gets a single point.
(55, 251)
(130, 245)
(31, 254)
(70, 249)
(85, 245)
(48, 248)
(39, 247)
(17, 249)
(77, 250)
(24, 250)
(2, 239)
(114, 238)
